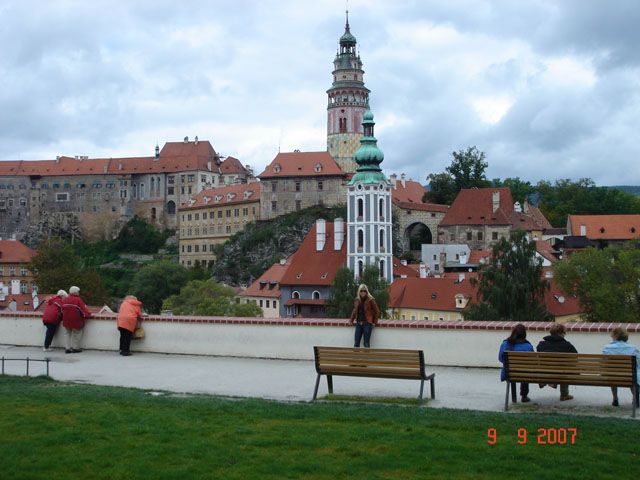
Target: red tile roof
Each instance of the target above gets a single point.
(475, 207)
(310, 267)
(174, 157)
(546, 250)
(429, 293)
(409, 271)
(560, 304)
(232, 165)
(476, 256)
(13, 251)
(229, 195)
(24, 302)
(268, 284)
(605, 227)
(302, 164)
(409, 197)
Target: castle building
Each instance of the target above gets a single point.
(369, 209)
(94, 197)
(211, 217)
(348, 100)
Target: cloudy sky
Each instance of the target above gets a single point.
(548, 89)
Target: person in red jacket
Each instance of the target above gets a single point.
(128, 317)
(52, 317)
(74, 314)
(365, 315)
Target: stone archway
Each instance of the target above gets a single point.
(415, 235)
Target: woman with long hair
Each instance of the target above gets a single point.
(516, 342)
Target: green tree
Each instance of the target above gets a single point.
(342, 292)
(520, 190)
(140, 236)
(56, 266)
(344, 289)
(157, 281)
(467, 170)
(566, 197)
(511, 286)
(207, 297)
(606, 282)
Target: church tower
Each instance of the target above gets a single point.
(369, 209)
(348, 100)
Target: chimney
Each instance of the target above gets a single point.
(393, 178)
(15, 287)
(283, 261)
(338, 233)
(423, 270)
(186, 139)
(460, 277)
(196, 140)
(321, 234)
(403, 180)
(463, 258)
(209, 165)
(495, 200)
(517, 208)
(583, 230)
(403, 262)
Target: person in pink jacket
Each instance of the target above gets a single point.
(128, 316)
(74, 314)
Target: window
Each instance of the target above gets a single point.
(203, 178)
(315, 295)
(23, 202)
(274, 206)
(196, 248)
(342, 125)
(188, 248)
(228, 212)
(12, 270)
(320, 186)
(171, 180)
(295, 294)
(382, 240)
(452, 237)
(55, 185)
(123, 194)
(189, 217)
(245, 212)
(273, 186)
(360, 208)
(360, 240)
(60, 197)
(494, 235)
(228, 228)
(190, 189)
(191, 178)
(480, 236)
(23, 271)
(219, 213)
(275, 304)
(260, 303)
(381, 209)
(236, 212)
(298, 186)
(469, 235)
(170, 191)
(267, 303)
(196, 216)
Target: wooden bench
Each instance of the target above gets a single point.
(371, 362)
(571, 369)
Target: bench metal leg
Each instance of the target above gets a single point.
(315, 391)
(514, 393)
(330, 383)
(634, 400)
(421, 391)
(433, 388)
(506, 397)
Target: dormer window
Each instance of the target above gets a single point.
(218, 198)
(317, 168)
(247, 193)
(277, 168)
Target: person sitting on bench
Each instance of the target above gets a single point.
(555, 342)
(621, 346)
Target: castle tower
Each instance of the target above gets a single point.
(348, 100)
(369, 209)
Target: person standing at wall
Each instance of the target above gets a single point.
(128, 317)
(74, 315)
(365, 315)
(52, 317)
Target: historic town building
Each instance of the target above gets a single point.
(211, 217)
(369, 240)
(297, 180)
(15, 277)
(348, 100)
(94, 197)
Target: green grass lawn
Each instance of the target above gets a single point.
(53, 430)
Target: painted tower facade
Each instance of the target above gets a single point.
(369, 209)
(348, 100)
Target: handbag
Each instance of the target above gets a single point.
(138, 334)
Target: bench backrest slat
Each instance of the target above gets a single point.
(570, 368)
(369, 361)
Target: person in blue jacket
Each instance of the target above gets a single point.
(620, 346)
(516, 342)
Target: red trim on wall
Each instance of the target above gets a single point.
(337, 322)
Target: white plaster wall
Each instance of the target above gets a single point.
(450, 347)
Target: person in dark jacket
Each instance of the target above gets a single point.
(516, 342)
(52, 317)
(365, 314)
(74, 314)
(555, 342)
